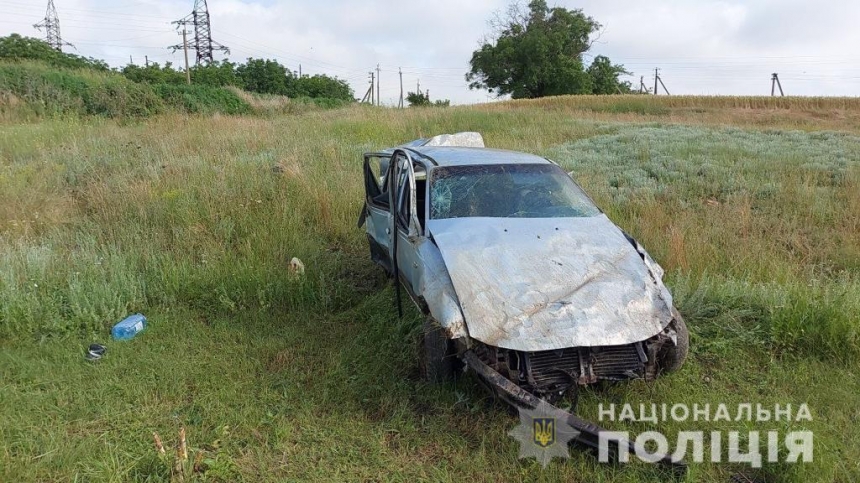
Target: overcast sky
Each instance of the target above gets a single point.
(701, 46)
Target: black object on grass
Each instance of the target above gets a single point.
(95, 352)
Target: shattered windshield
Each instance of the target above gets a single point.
(506, 191)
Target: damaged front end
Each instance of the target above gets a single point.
(551, 374)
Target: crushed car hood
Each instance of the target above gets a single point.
(542, 284)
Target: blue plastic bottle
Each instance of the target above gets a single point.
(129, 327)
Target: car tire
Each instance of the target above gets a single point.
(437, 360)
(672, 357)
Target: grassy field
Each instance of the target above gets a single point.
(751, 205)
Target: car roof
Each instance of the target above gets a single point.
(462, 156)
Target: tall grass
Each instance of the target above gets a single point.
(773, 212)
(639, 103)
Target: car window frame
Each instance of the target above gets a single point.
(383, 186)
(412, 227)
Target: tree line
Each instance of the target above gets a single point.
(533, 51)
(262, 76)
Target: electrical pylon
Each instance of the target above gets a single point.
(51, 24)
(202, 42)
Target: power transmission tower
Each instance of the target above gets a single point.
(51, 24)
(658, 79)
(774, 83)
(202, 42)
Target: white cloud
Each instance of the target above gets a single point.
(702, 46)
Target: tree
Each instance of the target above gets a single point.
(264, 76)
(418, 99)
(153, 74)
(320, 86)
(536, 52)
(215, 74)
(16, 47)
(604, 77)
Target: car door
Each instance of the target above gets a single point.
(405, 221)
(376, 213)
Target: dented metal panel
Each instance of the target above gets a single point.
(543, 284)
(437, 290)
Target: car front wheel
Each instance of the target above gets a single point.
(672, 356)
(437, 359)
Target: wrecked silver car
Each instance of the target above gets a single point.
(516, 268)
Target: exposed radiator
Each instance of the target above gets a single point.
(618, 362)
(548, 370)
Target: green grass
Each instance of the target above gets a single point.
(314, 378)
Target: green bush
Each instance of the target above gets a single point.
(17, 48)
(49, 91)
(202, 99)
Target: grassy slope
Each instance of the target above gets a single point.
(34, 90)
(314, 378)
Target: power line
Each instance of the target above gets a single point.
(299, 58)
(99, 12)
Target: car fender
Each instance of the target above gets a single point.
(436, 289)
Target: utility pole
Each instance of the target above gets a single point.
(664, 86)
(642, 88)
(378, 78)
(774, 83)
(656, 78)
(146, 60)
(418, 89)
(51, 24)
(400, 71)
(368, 96)
(202, 42)
(300, 71)
(185, 48)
